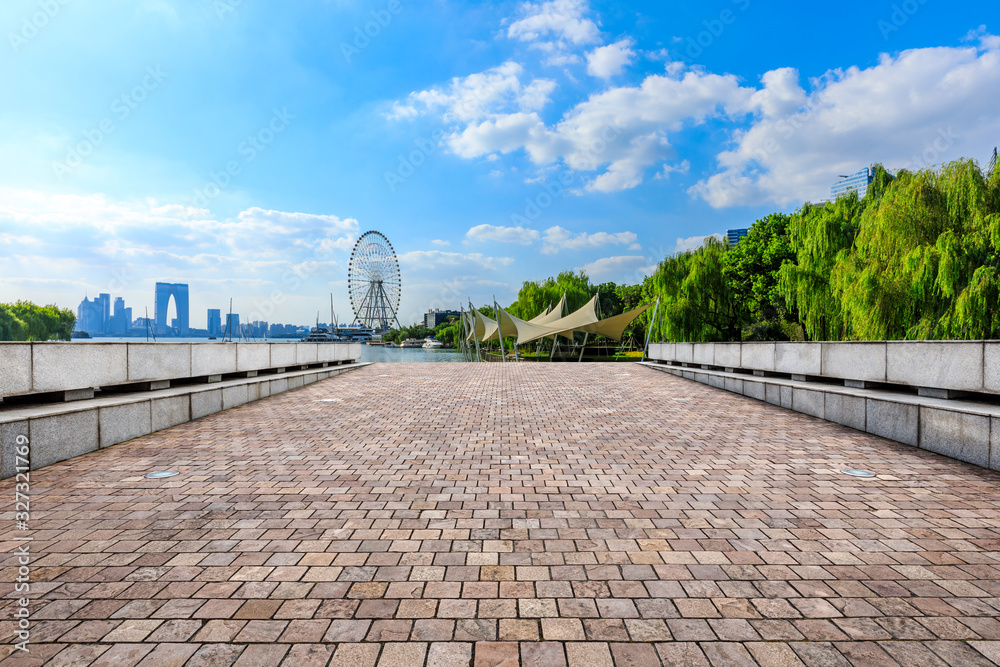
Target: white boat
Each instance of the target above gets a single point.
(412, 342)
(338, 334)
(324, 335)
(431, 343)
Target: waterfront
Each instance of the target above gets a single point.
(370, 354)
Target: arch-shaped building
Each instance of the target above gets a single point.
(179, 292)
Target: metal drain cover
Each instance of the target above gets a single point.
(682, 399)
(857, 473)
(162, 474)
(329, 400)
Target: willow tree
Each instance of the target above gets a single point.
(11, 327)
(924, 260)
(697, 302)
(822, 238)
(24, 321)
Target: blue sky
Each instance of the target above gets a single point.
(229, 144)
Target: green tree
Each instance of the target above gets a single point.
(819, 235)
(25, 321)
(751, 268)
(917, 258)
(697, 302)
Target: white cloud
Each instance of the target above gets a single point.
(916, 109)
(557, 238)
(608, 61)
(627, 269)
(620, 132)
(478, 96)
(693, 242)
(682, 168)
(441, 243)
(520, 235)
(565, 20)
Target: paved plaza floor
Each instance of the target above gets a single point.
(504, 514)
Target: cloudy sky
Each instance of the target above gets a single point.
(242, 147)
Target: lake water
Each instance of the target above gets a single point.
(369, 353)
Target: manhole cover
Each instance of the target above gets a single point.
(857, 473)
(162, 474)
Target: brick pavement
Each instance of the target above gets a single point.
(505, 514)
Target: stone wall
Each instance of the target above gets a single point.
(34, 368)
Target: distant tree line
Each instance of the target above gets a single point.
(25, 321)
(446, 332)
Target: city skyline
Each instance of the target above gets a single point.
(95, 317)
(244, 149)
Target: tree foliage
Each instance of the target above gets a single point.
(917, 258)
(25, 321)
(751, 269)
(697, 301)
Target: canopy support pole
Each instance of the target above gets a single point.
(496, 311)
(586, 336)
(645, 350)
(475, 336)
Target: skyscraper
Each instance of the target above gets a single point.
(214, 322)
(88, 316)
(121, 319)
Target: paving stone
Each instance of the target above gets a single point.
(496, 654)
(513, 513)
(450, 654)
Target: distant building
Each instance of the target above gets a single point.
(121, 320)
(856, 182)
(214, 322)
(179, 293)
(734, 236)
(88, 317)
(437, 316)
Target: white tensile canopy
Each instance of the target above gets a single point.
(614, 327)
(526, 332)
(584, 320)
(552, 314)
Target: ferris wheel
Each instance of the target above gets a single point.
(374, 282)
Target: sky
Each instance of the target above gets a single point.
(243, 147)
